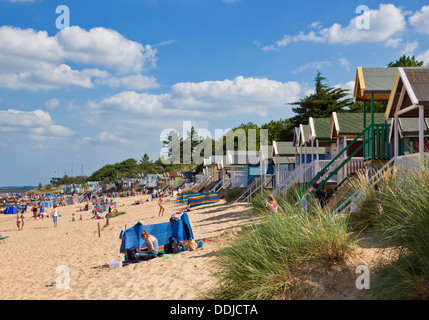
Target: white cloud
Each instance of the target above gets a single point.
(52, 104)
(312, 65)
(36, 122)
(269, 48)
(36, 118)
(315, 25)
(409, 48)
(47, 79)
(420, 20)
(105, 136)
(105, 47)
(345, 63)
(385, 23)
(423, 57)
(131, 82)
(205, 99)
(393, 42)
(33, 60)
(347, 86)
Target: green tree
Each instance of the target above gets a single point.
(319, 104)
(406, 61)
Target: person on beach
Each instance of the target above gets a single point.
(320, 195)
(272, 204)
(161, 208)
(20, 220)
(55, 217)
(42, 212)
(151, 250)
(34, 212)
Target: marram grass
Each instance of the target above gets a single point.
(262, 261)
(404, 224)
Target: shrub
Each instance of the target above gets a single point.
(233, 194)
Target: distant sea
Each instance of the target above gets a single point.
(12, 189)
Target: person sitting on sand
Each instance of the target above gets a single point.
(151, 250)
(73, 217)
(273, 205)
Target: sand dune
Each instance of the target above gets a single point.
(29, 258)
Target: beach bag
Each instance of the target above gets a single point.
(172, 246)
(115, 264)
(131, 253)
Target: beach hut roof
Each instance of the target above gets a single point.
(303, 134)
(243, 157)
(319, 128)
(284, 160)
(377, 81)
(295, 139)
(410, 89)
(173, 174)
(351, 124)
(409, 127)
(283, 148)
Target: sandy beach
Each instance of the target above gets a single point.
(30, 257)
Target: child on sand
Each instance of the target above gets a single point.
(73, 217)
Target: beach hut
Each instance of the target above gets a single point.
(319, 134)
(409, 134)
(374, 84)
(346, 127)
(245, 165)
(11, 210)
(283, 155)
(303, 143)
(409, 99)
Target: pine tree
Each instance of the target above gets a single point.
(406, 61)
(319, 104)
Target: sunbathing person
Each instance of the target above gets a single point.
(152, 247)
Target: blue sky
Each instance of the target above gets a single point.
(104, 89)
